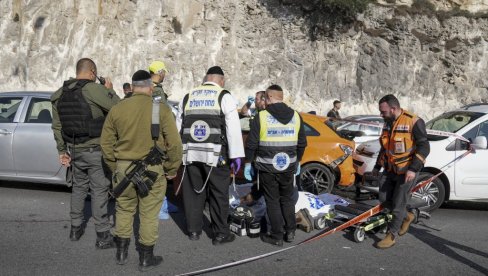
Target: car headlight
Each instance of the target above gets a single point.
(346, 149)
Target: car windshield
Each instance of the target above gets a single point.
(451, 122)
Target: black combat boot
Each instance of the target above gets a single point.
(290, 236)
(76, 232)
(147, 260)
(104, 240)
(122, 250)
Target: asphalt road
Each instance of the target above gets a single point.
(34, 229)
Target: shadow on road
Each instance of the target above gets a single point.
(446, 247)
(35, 186)
(179, 216)
(466, 205)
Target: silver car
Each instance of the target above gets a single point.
(26, 139)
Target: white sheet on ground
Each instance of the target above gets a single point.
(316, 204)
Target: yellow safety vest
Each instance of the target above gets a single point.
(277, 151)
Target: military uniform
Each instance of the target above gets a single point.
(159, 94)
(127, 137)
(77, 122)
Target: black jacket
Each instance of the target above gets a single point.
(334, 114)
(283, 114)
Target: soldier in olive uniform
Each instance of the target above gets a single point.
(79, 110)
(126, 137)
(158, 72)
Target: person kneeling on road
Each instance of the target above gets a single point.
(276, 144)
(133, 132)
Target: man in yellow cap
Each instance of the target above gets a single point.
(158, 71)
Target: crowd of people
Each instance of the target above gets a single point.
(109, 143)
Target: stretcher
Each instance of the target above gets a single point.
(376, 223)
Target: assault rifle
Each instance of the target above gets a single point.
(138, 174)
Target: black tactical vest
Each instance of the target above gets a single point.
(77, 123)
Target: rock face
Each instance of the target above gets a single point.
(432, 63)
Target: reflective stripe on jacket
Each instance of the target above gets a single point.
(398, 143)
(203, 128)
(277, 150)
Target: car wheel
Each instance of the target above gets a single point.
(316, 179)
(433, 193)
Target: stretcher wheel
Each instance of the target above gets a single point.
(320, 223)
(359, 234)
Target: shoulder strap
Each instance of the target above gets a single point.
(79, 84)
(185, 100)
(222, 94)
(155, 120)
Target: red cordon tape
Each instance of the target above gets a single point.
(429, 131)
(360, 218)
(376, 209)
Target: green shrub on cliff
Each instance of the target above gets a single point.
(345, 9)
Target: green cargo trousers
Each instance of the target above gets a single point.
(128, 202)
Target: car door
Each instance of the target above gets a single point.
(471, 174)
(10, 107)
(34, 147)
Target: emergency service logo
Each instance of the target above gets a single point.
(281, 161)
(200, 131)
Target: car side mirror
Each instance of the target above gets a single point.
(480, 142)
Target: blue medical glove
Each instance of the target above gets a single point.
(299, 168)
(250, 99)
(248, 172)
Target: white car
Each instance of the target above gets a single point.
(360, 133)
(467, 179)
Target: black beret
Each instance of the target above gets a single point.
(141, 75)
(216, 70)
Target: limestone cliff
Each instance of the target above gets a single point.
(434, 62)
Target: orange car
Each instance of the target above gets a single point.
(327, 159)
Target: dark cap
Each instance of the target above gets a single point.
(215, 70)
(141, 75)
(141, 78)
